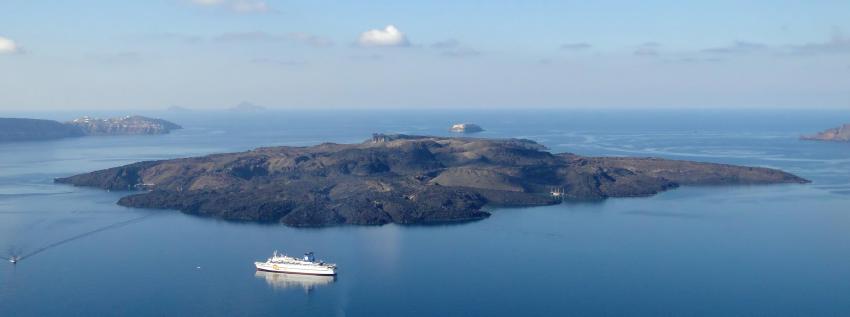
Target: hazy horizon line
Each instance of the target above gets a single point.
(435, 108)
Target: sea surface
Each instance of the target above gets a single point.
(779, 250)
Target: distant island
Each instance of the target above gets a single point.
(128, 125)
(466, 128)
(839, 134)
(247, 107)
(399, 179)
(19, 129)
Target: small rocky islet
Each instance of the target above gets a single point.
(466, 128)
(400, 179)
(839, 134)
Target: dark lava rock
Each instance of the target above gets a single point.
(399, 179)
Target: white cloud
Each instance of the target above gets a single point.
(239, 6)
(389, 36)
(7, 46)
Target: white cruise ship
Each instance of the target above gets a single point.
(286, 264)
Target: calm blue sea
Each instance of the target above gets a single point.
(750, 250)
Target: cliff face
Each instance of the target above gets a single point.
(401, 179)
(840, 134)
(14, 129)
(123, 126)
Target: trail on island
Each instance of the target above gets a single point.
(79, 236)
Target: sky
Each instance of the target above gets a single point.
(214, 54)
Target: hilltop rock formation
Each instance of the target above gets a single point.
(401, 179)
(839, 134)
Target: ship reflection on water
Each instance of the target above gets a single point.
(284, 280)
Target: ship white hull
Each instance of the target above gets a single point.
(294, 268)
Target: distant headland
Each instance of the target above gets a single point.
(18, 129)
(400, 179)
(839, 134)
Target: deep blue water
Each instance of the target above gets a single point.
(749, 250)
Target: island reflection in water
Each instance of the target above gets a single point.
(284, 280)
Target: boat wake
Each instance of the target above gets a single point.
(17, 258)
(12, 254)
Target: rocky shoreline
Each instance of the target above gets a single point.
(399, 179)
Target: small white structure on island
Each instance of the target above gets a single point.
(557, 193)
(466, 128)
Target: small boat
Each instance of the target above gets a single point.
(14, 260)
(308, 264)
